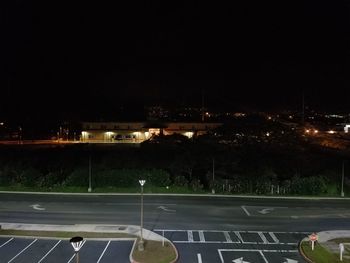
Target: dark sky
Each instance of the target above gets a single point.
(69, 58)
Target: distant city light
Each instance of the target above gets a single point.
(189, 134)
(307, 131)
(315, 131)
(267, 134)
(331, 132)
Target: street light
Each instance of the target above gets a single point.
(77, 243)
(140, 245)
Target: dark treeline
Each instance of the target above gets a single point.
(249, 165)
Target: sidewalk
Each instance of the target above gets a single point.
(126, 229)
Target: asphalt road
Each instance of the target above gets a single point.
(172, 212)
(204, 229)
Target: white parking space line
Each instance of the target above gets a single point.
(227, 236)
(245, 210)
(24, 249)
(49, 251)
(201, 236)
(190, 235)
(6, 242)
(263, 238)
(273, 236)
(263, 256)
(103, 252)
(199, 257)
(75, 253)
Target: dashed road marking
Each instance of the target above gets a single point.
(24, 249)
(199, 257)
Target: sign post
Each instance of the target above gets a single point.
(313, 238)
(341, 248)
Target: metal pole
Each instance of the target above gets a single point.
(90, 188)
(141, 212)
(77, 257)
(342, 180)
(213, 190)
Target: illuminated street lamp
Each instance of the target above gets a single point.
(140, 245)
(77, 243)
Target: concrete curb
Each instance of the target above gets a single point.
(301, 251)
(185, 195)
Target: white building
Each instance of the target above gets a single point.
(136, 132)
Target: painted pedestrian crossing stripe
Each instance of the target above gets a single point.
(234, 237)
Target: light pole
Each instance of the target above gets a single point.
(342, 181)
(140, 245)
(213, 187)
(90, 187)
(77, 243)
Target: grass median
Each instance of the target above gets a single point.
(62, 234)
(322, 255)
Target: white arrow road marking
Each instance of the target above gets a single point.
(165, 209)
(266, 211)
(239, 260)
(37, 207)
(290, 261)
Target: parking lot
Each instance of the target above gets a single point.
(31, 250)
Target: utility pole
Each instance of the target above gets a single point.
(213, 184)
(90, 188)
(202, 106)
(342, 181)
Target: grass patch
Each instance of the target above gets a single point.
(154, 252)
(321, 255)
(62, 234)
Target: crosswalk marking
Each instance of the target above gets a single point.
(239, 236)
(201, 236)
(227, 236)
(190, 235)
(263, 238)
(273, 236)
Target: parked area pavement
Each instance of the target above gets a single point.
(35, 249)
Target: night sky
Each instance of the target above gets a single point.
(64, 59)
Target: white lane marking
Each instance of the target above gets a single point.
(227, 236)
(273, 236)
(245, 210)
(75, 253)
(201, 236)
(263, 256)
(239, 236)
(24, 249)
(190, 236)
(6, 242)
(49, 251)
(199, 257)
(37, 207)
(165, 209)
(103, 252)
(266, 211)
(263, 238)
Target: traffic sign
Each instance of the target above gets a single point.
(313, 237)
